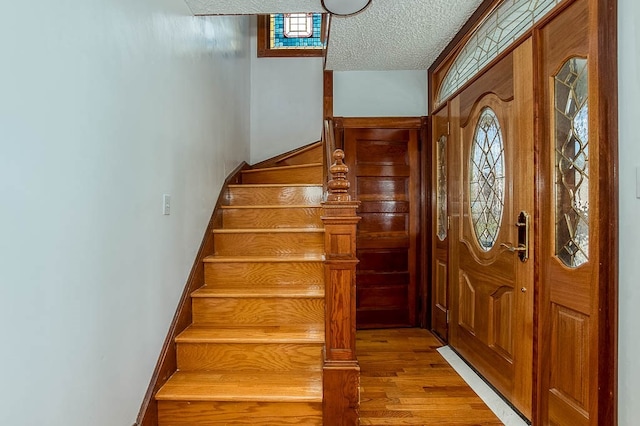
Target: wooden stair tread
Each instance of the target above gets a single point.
(271, 206)
(243, 386)
(264, 259)
(204, 333)
(274, 185)
(261, 292)
(293, 167)
(267, 230)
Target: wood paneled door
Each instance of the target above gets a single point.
(572, 209)
(492, 200)
(385, 178)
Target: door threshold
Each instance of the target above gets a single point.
(494, 401)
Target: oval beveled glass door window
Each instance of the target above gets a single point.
(571, 132)
(487, 179)
(441, 185)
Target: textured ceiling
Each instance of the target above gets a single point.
(252, 7)
(388, 35)
(396, 35)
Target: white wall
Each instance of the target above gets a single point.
(104, 106)
(286, 103)
(380, 93)
(629, 137)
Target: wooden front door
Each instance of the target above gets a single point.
(384, 175)
(492, 207)
(556, 109)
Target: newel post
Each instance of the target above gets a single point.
(341, 372)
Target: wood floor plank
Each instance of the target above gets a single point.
(405, 381)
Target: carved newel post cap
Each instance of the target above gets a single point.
(338, 187)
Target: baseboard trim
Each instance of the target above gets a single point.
(167, 363)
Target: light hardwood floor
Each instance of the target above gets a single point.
(405, 381)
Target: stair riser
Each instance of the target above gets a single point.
(258, 311)
(249, 356)
(198, 413)
(266, 244)
(278, 195)
(309, 156)
(272, 218)
(309, 175)
(268, 274)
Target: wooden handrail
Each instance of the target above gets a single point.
(341, 372)
(329, 143)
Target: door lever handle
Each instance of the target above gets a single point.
(523, 238)
(511, 248)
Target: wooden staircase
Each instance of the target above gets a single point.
(253, 353)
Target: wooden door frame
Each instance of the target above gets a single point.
(422, 124)
(607, 64)
(604, 18)
(430, 238)
(410, 123)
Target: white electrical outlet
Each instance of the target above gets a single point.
(166, 204)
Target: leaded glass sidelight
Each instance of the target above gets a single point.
(571, 134)
(487, 179)
(441, 187)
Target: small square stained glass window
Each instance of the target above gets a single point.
(291, 34)
(298, 25)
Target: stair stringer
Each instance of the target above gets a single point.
(167, 362)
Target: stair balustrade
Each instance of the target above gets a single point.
(341, 372)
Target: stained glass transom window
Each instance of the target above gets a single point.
(441, 182)
(572, 162)
(296, 31)
(298, 25)
(487, 179)
(498, 31)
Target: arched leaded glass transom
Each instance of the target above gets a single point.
(487, 179)
(499, 30)
(571, 133)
